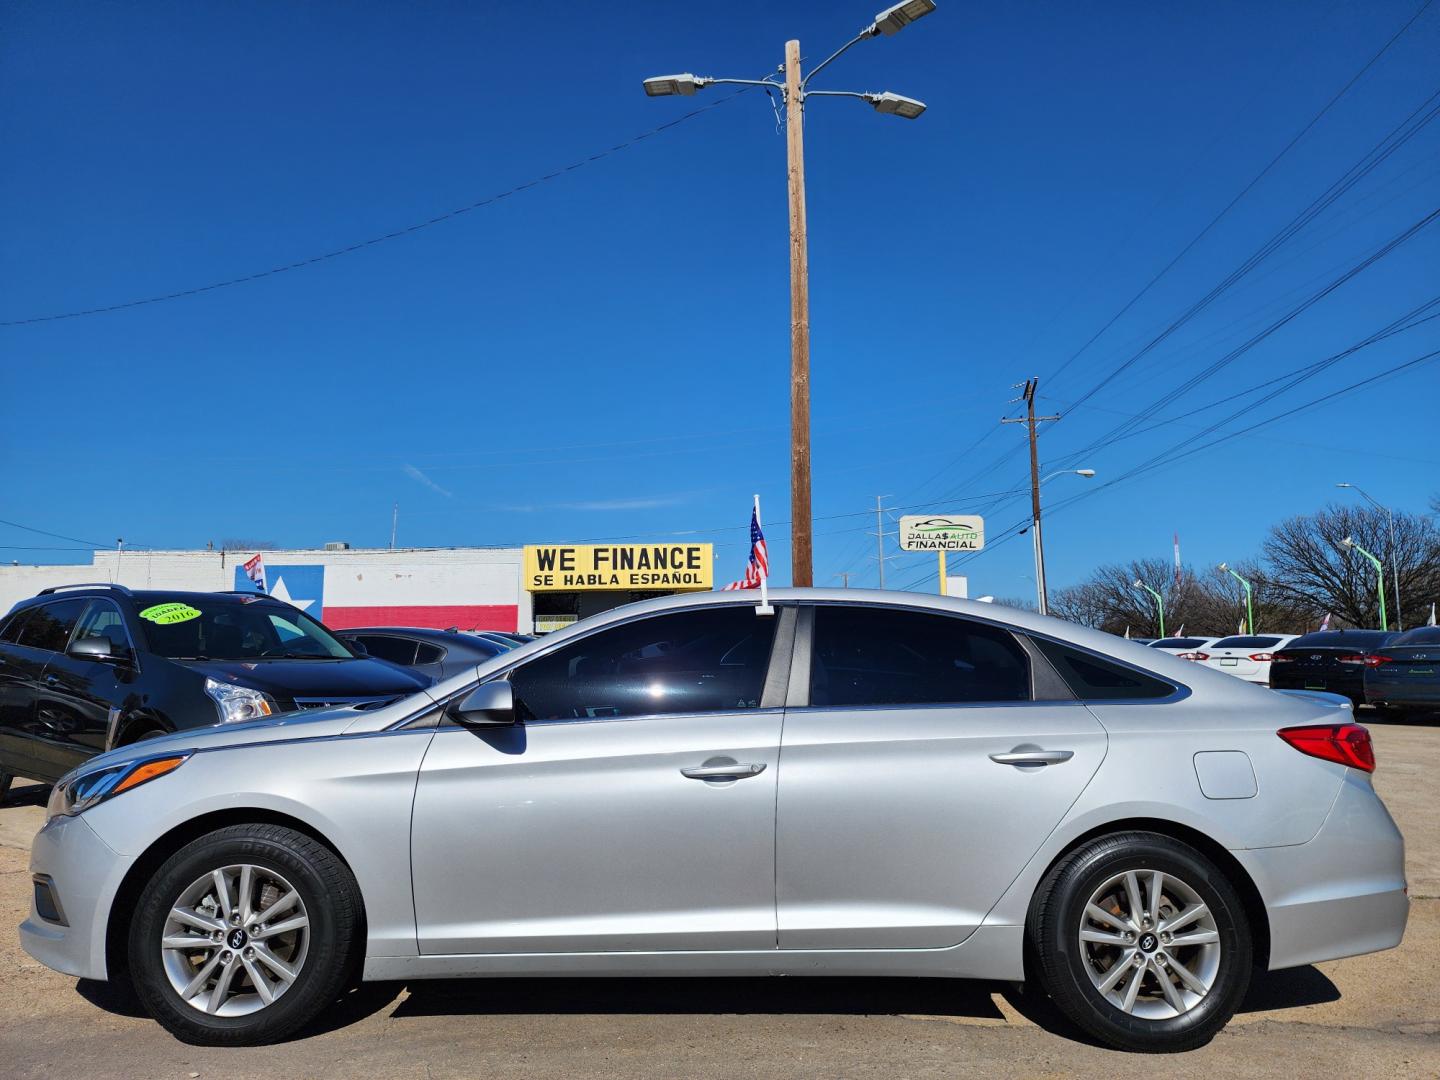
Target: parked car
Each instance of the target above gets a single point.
(1246, 656)
(1405, 673)
(860, 783)
(88, 667)
(433, 654)
(1329, 660)
(1178, 645)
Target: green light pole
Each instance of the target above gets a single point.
(1159, 603)
(1349, 542)
(1249, 606)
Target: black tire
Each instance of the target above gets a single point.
(1053, 937)
(332, 902)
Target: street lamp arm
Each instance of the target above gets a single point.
(869, 31)
(739, 82)
(841, 93)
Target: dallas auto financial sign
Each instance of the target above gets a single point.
(942, 532)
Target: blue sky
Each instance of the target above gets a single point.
(605, 354)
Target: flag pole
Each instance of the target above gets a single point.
(764, 608)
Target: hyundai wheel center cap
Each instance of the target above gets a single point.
(1148, 942)
(237, 938)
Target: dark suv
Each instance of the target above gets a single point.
(84, 668)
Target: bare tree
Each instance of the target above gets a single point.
(1310, 566)
(248, 545)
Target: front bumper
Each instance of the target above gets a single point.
(1343, 892)
(84, 873)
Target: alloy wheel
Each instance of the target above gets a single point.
(1150, 944)
(235, 940)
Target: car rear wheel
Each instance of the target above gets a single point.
(244, 935)
(1142, 942)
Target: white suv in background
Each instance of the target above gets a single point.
(1246, 656)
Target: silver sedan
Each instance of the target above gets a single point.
(851, 783)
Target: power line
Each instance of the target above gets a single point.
(1245, 190)
(52, 535)
(394, 234)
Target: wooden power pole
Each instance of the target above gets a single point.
(801, 552)
(1030, 420)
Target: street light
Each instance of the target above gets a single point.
(1249, 607)
(1349, 542)
(1394, 551)
(1159, 603)
(1042, 601)
(793, 92)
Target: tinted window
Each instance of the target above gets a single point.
(1421, 635)
(878, 656)
(103, 621)
(384, 647)
(11, 630)
(428, 654)
(1179, 643)
(1244, 642)
(50, 625)
(1093, 678)
(690, 661)
(1341, 639)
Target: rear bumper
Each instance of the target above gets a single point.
(1343, 892)
(1350, 686)
(1397, 691)
(83, 874)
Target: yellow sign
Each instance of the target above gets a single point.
(599, 567)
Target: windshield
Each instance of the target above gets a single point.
(197, 628)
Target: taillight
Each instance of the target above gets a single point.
(1375, 660)
(1194, 656)
(1262, 657)
(1353, 658)
(1344, 744)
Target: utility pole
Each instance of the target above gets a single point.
(1030, 420)
(394, 523)
(801, 556)
(844, 577)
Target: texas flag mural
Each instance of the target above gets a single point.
(402, 594)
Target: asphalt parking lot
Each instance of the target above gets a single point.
(1368, 1016)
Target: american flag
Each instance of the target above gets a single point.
(758, 568)
(255, 571)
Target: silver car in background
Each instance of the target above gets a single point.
(855, 783)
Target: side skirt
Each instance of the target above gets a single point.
(991, 952)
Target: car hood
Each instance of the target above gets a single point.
(308, 724)
(361, 677)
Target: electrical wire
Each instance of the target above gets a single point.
(394, 234)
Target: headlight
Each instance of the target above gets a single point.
(237, 703)
(76, 795)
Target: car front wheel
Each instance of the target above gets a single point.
(1142, 942)
(244, 935)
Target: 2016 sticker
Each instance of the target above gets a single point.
(169, 614)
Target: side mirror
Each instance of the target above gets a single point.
(490, 704)
(99, 649)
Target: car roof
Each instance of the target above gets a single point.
(146, 596)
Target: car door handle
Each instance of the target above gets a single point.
(1033, 757)
(734, 771)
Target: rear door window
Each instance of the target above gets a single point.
(50, 625)
(886, 656)
(384, 647)
(1094, 678)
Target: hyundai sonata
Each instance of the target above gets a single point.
(848, 783)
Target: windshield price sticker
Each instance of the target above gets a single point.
(942, 532)
(169, 614)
